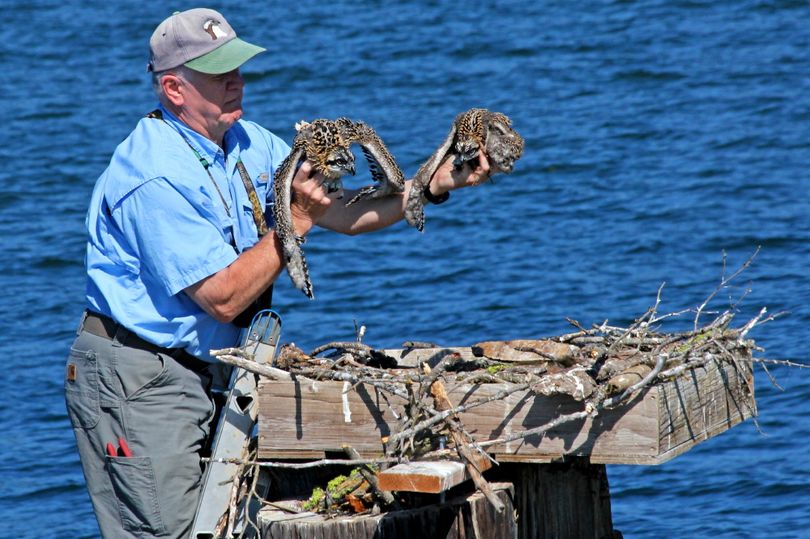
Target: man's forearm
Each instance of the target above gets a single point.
(371, 215)
(366, 215)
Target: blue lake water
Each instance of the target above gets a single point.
(663, 138)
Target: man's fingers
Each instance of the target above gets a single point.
(308, 188)
(303, 172)
(482, 171)
(483, 161)
(314, 191)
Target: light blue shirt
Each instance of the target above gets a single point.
(157, 225)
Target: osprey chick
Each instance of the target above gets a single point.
(326, 144)
(471, 130)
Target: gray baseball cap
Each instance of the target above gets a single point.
(200, 39)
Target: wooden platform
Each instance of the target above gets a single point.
(307, 419)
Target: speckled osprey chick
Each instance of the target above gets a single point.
(326, 144)
(470, 130)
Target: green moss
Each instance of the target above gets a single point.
(333, 486)
(495, 369)
(315, 501)
(336, 488)
(698, 339)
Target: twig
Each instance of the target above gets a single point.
(659, 364)
(313, 464)
(427, 423)
(751, 323)
(345, 376)
(577, 325)
(281, 507)
(371, 477)
(772, 378)
(680, 369)
(641, 322)
(353, 346)
(228, 356)
(723, 283)
(784, 362)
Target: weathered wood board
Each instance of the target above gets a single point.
(429, 477)
(305, 419)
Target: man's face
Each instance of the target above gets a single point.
(215, 100)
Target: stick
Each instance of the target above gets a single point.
(442, 402)
(422, 425)
(371, 477)
(313, 464)
(659, 364)
(355, 346)
(751, 323)
(785, 362)
(723, 283)
(256, 368)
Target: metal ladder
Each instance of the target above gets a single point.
(234, 430)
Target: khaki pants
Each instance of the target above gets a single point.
(162, 410)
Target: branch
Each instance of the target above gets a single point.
(659, 364)
(305, 465)
(352, 346)
(723, 283)
(427, 423)
(371, 477)
(228, 356)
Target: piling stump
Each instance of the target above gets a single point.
(560, 500)
(568, 500)
(468, 516)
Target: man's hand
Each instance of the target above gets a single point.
(446, 178)
(309, 199)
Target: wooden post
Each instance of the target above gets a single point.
(549, 501)
(569, 499)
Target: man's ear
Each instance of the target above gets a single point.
(172, 89)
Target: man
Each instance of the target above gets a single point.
(174, 255)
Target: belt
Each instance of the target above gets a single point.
(104, 326)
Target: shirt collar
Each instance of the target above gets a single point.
(206, 147)
(232, 142)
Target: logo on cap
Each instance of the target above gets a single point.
(212, 28)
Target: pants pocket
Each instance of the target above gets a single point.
(138, 371)
(133, 480)
(81, 388)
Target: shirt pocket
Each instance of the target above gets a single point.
(262, 181)
(261, 184)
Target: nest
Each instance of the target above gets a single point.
(601, 367)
